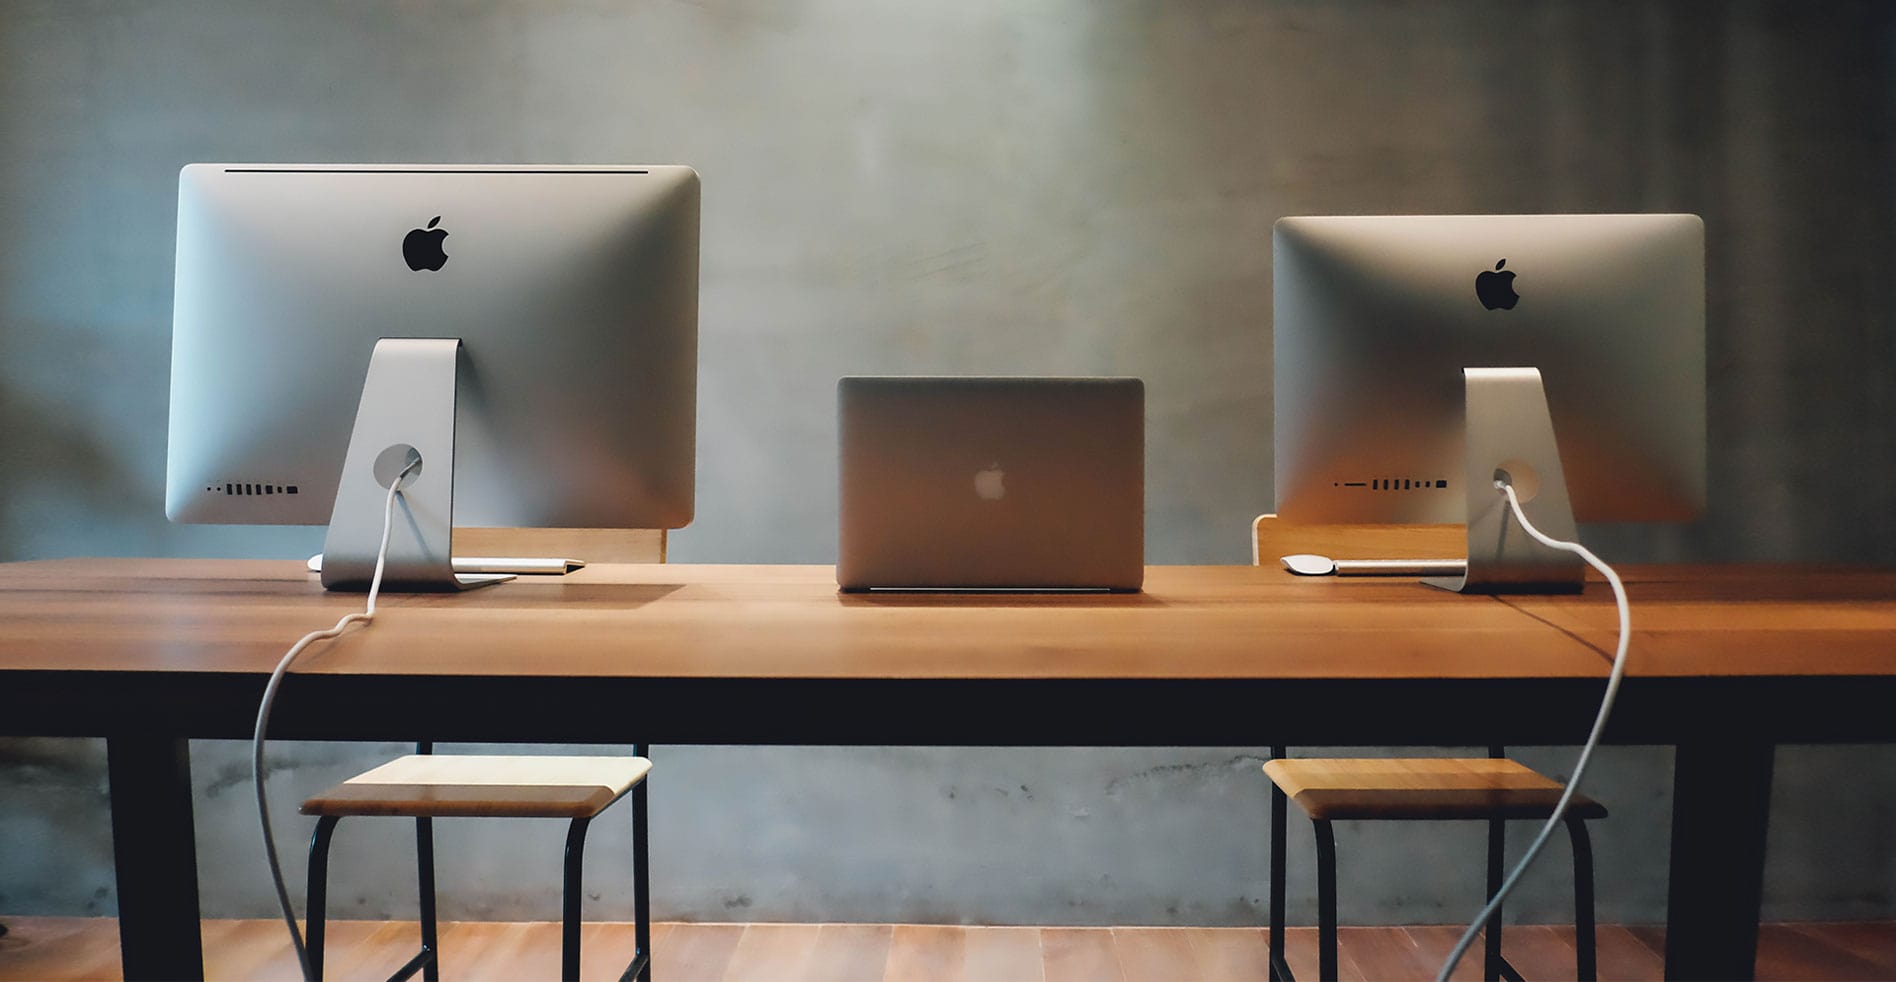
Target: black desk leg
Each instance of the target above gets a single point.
(154, 852)
(1721, 807)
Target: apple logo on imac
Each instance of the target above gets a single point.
(422, 247)
(1495, 288)
(988, 483)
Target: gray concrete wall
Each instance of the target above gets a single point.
(1063, 186)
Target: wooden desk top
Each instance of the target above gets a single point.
(682, 621)
(1207, 656)
(1740, 620)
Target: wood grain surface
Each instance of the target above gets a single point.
(63, 948)
(680, 621)
(683, 621)
(1425, 788)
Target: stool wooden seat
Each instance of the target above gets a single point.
(1422, 788)
(425, 786)
(443, 785)
(1491, 789)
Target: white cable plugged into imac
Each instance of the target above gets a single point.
(1506, 420)
(1593, 738)
(1509, 439)
(269, 697)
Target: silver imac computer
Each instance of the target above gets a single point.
(1418, 359)
(527, 333)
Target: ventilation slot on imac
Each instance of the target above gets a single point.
(1396, 484)
(236, 488)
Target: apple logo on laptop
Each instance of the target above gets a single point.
(1496, 288)
(988, 483)
(422, 247)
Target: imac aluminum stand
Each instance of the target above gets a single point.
(1511, 438)
(406, 413)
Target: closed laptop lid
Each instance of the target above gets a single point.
(1027, 483)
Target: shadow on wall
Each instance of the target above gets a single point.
(53, 473)
(56, 811)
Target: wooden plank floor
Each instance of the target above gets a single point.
(54, 949)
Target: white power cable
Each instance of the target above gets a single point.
(1593, 738)
(263, 721)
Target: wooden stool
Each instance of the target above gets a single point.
(425, 786)
(1493, 789)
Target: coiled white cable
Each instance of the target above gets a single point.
(263, 721)
(1593, 738)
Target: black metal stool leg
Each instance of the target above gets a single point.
(1491, 942)
(428, 959)
(425, 882)
(569, 902)
(317, 897)
(641, 967)
(1280, 969)
(1326, 900)
(1585, 967)
(1493, 965)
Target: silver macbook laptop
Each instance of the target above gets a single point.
(992, 483)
